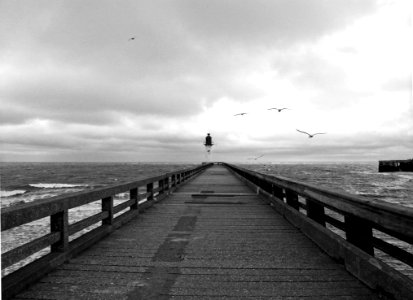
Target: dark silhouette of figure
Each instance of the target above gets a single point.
(208, 140)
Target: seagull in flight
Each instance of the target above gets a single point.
(311, 135)
(255, 158)
(279, 109)
(240, 114)
(131, 39)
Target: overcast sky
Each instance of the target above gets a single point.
(74, 87)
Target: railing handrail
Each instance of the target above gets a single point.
(349, 228)
(57, 209)
(394, 217)
(17, 215)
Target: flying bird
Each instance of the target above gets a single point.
(240, 114)
(311, 135)
(279, 109)
(131, 39)
(255, 158)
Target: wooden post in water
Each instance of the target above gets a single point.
(359, 233)
(107, 205)
(59, 222)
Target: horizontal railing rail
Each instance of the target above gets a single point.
(352, 229)
(57, 209)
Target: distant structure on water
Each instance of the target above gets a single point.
(396, 165)
(208, 147)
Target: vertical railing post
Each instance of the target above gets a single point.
(149, 189)
(107, 205)
(161, 187)
(315, 211)
(173, 180)
(166, 184)
(133, 194)
(278, 192)
(266, 186)
(360, 233)
(292, 199)
(59, 222)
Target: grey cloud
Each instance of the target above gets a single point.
(312, 72)
(309, 69)
(166, 70)
(71, 61)
(282, 22)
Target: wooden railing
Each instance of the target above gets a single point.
(364, 224)
(58, 239)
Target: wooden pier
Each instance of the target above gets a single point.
(213, 232)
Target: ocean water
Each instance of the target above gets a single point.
(25, 182)
(361, 179)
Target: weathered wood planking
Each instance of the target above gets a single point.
(361, 216)
(190, 248)
(60, 230)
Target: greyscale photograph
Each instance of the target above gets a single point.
(215, 149)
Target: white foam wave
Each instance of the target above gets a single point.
(406, 176)
(56, 185)
(5, 194)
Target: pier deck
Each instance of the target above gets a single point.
(194, 245)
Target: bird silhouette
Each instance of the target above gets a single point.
(279, 109)
(240, 114)
(131, 39)
(259, 156)
(310, 135)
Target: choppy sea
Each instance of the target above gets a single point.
(25, 182)
(361, 179)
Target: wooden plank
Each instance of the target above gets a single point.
(359, 233)
(78, 226)
(391, 217)
(315, 211)
(336, 223)
(17, 215)
(182, 249)
(123, 205)
(59, 223)
(15, 255)
(393, 251)
(371, 271)
(107, 206)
